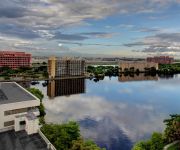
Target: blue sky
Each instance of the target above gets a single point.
(91, 28)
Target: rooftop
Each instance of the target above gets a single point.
(11, 92)
(12, 140)
(13, 53)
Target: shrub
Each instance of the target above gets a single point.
(155, 143)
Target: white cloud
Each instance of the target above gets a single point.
(162, 43)
(46, 19)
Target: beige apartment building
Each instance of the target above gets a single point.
(140, 66)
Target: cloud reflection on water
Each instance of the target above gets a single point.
(136, 122)
(117, 114)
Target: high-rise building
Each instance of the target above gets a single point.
(14, 59)
(65, 67)
(161, 59)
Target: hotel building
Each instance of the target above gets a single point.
(65, 67)
(140, 66)
(18, 109)
(161, 59)
(14, 59)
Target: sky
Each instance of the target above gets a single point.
(121, 28)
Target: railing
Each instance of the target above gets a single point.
(169, 145)
(49, 145)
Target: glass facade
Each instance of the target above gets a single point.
(65, 68)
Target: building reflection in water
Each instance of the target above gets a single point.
(137, 77)
(65, 87)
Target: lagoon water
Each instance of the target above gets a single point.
(114, 112)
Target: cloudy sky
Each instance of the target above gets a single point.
(91, 27)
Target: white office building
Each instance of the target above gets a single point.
(18, 109)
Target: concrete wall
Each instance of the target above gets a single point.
(137, 65)
(13, 106)
(17, 126)
(52, 67)
(32, 126)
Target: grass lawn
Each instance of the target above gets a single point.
(175, 147)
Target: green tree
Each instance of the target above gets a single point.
(45, 74)
(44, 63)
(6, 77)
(158, 140)
(80, 144)
(63, 135)
(155, 143)
(172, 131)
(42, 120)
(42, 110)
(36, 92)
(142, 145)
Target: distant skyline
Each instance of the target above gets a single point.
(124, 28)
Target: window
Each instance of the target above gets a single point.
(8, 123)
(22, 122)
(15, 111)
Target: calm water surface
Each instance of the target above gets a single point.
(115, 113)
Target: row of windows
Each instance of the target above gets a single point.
(11, 60)
(14, 56)
(11, 63)
(69, 86)
(2, 59)
(16, 61)
(15, 111)
(11, 123)
(69, 69)
(8, 123)
(14, 64)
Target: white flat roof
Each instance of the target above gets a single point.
(11, 92)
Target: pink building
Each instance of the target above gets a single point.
(14, 59)
(161, 59)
